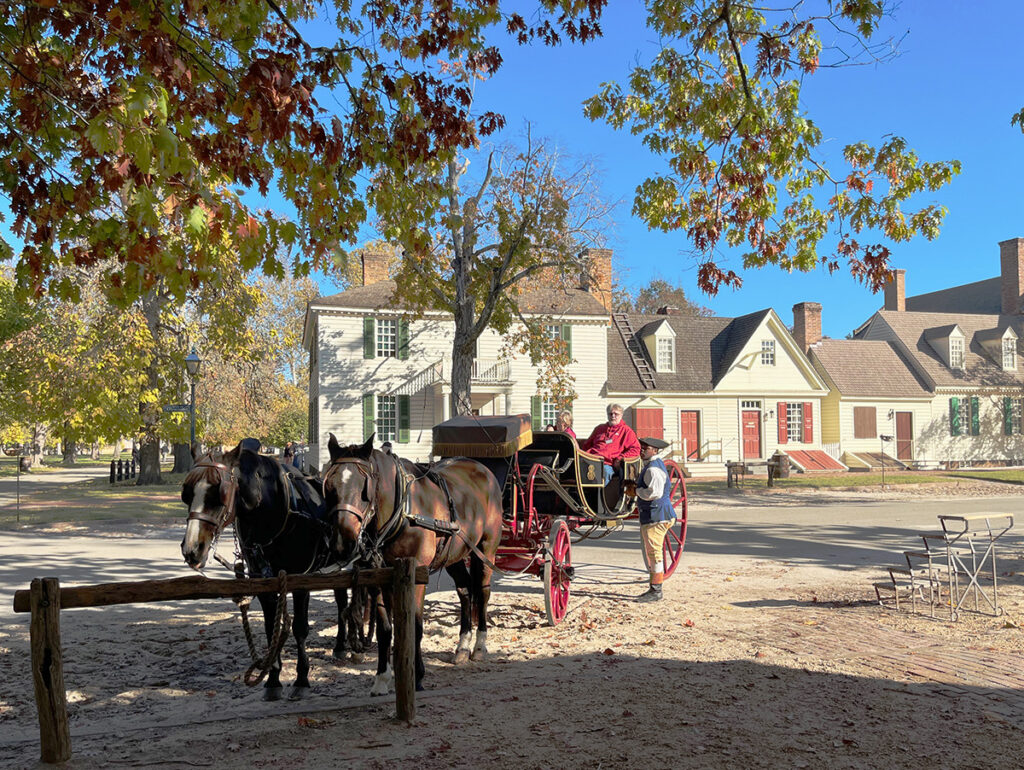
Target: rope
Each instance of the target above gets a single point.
(282, 622)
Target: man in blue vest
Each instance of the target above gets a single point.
(656, 512)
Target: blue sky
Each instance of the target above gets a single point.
(950, 93)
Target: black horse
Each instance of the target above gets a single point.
(278, 517)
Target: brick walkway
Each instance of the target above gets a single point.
(993, 680)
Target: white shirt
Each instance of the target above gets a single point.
(654, 478)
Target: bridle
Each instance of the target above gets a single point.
(228, 485)
(368, 472)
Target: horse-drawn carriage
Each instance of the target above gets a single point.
(552, 493)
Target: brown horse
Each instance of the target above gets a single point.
(386, 508)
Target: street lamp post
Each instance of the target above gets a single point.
(192, 363)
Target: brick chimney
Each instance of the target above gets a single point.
(896, 291)
(1011, 260)
(807, 324)
(375, 267)
(598, 280)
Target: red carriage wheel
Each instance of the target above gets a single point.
(675, 539)
(557, 572)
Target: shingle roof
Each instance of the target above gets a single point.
(705, 348)
(979, 368)
(980, 297)
(867, 368)
(534, 300)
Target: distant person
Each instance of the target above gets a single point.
(289, 453)
(656, 512)
(549, 428)
(613, 441)
(564, 423)
(386, 447)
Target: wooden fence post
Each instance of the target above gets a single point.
(403, 607)
(48, 671)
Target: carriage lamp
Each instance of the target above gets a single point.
(192, 364)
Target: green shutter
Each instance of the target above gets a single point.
(403, 341)
(368, 414)
(535, 412)
(567, 336)
(1007, 415)
(403, 419)
(954, 416)
(975, 417)
(369, 339)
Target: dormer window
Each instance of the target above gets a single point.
(1009, 355)
(666, 354)
(768, 352)
(956, 353)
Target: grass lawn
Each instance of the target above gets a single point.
(1005, 475)
(98, 499)
(9, 466)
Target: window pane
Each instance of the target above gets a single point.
(965, 415)
(768, 352)
(553, 331)
(548, 413)
(666, 355)
(956, 353)
(387, 418)
(387, 338)
(1009, 355)
(795, 422)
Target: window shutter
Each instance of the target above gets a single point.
(975, 417)
(369, 339)
(369, 402)
(808, 422)
(650, 423)
(403, 341)
(954, 416)
(535, 403)
(567, 336)
(403, 419)
(780, 410)
(1007, 415)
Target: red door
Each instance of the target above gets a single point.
(904, 435)
(689, 433)
(751, 434)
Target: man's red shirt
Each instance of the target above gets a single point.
(612, 442)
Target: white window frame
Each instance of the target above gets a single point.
(767, 352)
(387, 338)
(548, 412)
(964, 408)
(553, 331)
(956, 353)
(795, 422)
(750, 405)
(666, 360)
(386, 419)
(1016, 413)
(1009, 355)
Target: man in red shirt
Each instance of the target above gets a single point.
(613, 441)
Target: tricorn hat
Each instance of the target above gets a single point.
(657, 443)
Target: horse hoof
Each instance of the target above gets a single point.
(298, 693)
(478, 656)
(339, 655)
(357, 657)
(419, 687)
(461, 657)
(272, 693)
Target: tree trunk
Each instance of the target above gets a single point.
(39, 436)
(95, 452)
(182, 458)
(70, 448)
(149, 460)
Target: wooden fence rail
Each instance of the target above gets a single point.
(45, 599)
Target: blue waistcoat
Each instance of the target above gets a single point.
(659, 509)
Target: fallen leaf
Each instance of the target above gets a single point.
(649, 642)
(688, 623)
(609, 651)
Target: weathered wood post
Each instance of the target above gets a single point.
(48, 671)
(404, 613)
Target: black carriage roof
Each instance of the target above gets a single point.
(473, 436)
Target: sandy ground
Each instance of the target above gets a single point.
(748, 662)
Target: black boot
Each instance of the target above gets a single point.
(653, 594)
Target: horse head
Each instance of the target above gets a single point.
(358, 484)
(209, 491)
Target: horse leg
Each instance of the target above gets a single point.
(481, 585)
(272, 686)
(384, 681)
(421, 592)
(300, 628)
(460, 575)
(354, 624)
(340, 641)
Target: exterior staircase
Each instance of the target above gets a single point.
(635, 348)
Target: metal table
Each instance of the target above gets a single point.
(971, 550)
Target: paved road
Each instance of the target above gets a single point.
(835, 537)
(47, 481)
